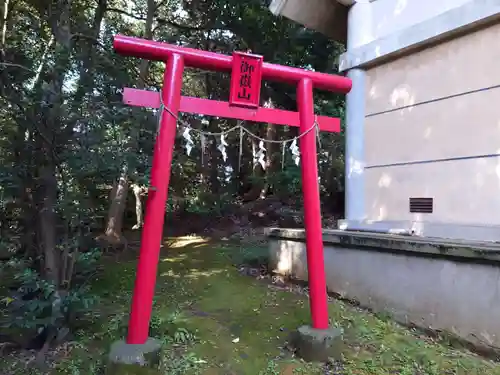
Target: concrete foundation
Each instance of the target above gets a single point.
(430, 229)
(318, 345)
(133, 359)
(431, 283)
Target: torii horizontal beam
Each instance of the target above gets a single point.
(207, 107)
(157, 51)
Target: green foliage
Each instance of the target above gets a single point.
(171, 328)
(272, 368)
(179, 365)
(66, 137)
(287, 183)
(202, 294)
(36, 304)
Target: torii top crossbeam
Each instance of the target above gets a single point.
(151, 50)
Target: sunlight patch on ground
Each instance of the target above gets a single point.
(170, 273)
(196, 274)
(180, 242)
(214, 320)
(178, 258)
(242, 325)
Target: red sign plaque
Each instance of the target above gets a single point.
(246, 78)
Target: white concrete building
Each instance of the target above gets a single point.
(423, 118)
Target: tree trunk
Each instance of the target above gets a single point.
(270, 151)
(214, 159)
(47, 193)
(205, 158)
(47, 131)
(138, 192)
(212, 168)
(113, 233)
(86, 78)
(118, 197)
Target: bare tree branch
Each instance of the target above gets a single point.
(160, 21)
(13, 65)
(90, 37)
(125, 13)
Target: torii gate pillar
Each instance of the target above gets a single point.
(243, 105)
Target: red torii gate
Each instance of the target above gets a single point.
(247, 72)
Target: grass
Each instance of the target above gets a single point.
(215, 321)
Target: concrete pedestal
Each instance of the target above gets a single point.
(318, 345)
(134, 359)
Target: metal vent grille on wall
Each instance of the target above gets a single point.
(421, 205)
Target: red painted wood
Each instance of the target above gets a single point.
(154, 215)
(246, 80)
(176, 58)
(318, 298)
(151, 99)
(158, 51)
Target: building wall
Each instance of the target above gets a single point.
(442, 294)
(432, 129)
(385, 17)
(411, 128)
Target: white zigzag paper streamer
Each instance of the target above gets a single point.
(295, 152)
(222, 147)
(261, 155)
(189, 141)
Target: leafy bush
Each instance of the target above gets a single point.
(37, 306)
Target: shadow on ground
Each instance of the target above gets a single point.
(241, 325)
(214, 320)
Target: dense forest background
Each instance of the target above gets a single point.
(75, 160)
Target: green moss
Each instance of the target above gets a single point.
(240, 325)
(120, 369)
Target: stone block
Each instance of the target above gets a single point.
(134, 359)
(318, 345)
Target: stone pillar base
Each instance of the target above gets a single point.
(318, 345)
(134, 359)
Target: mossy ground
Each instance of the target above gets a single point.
(216, 321)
